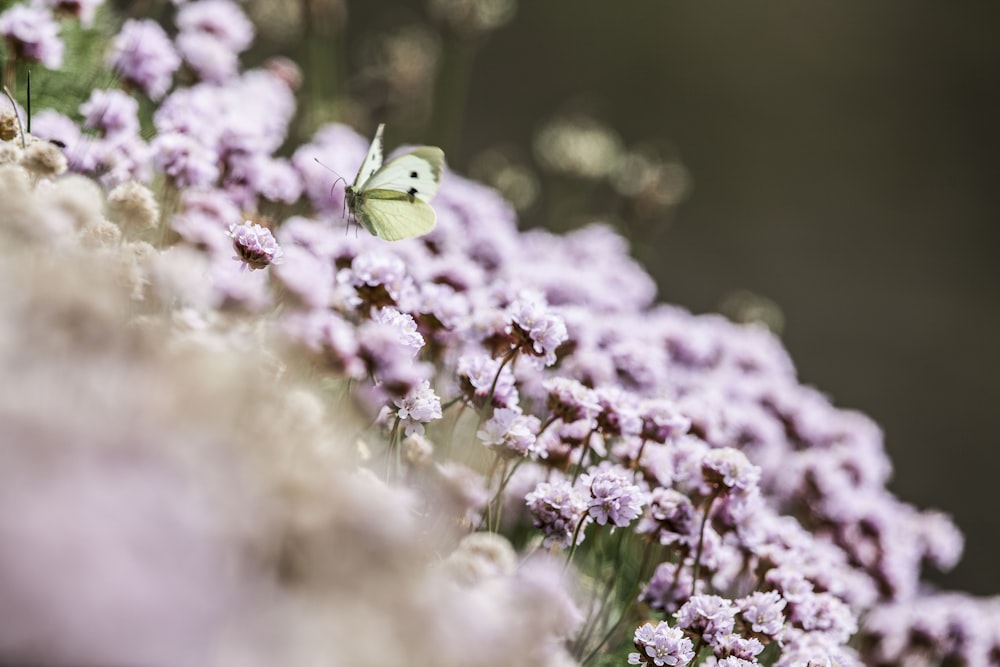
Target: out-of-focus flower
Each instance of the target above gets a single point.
(185, 160)
(83, 10)
(472, 18)
(32, 34)
(43, 159)
(513, 432)
(578, 146)
(111, 112)
(144, 57)
(133, 204)
(419, 406)
(209, 58)
(221, 20)
(484, 375)
(560, 511)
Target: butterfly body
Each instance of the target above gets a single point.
(392, 200)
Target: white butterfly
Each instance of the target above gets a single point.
(391, 200)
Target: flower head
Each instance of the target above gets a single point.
(614, 497)
(708, 615)
(255, 246)
(144, 57)
(419, 406)
(112, 112)
(32, 34)
(559, 510)
(512, 431)
(531, 321)
(661, 645)
(220, 20)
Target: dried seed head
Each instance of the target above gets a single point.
(132, 204)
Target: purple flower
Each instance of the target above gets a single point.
(419, 406)
(618, 416)
(271, 178)
(670, 585)
(533, 323)
(661, 421)
(111, 112)
(813, 649)
(559, 510)
(116, 159)
(707, 615)
(331, 337)
(388, 359)
(83, 10)
(404, 325)
(220, 20)
(255, 246)
(670, 516)
(730, 468)
(571, 401)
(210, 59)
(144, 57)
(187, 162)
(763, 612)
(32, 34)
(478, 375)
(380, 279)
(512, 431)
(613, 496)
(825, 613)
(736, 646)
(661, 645)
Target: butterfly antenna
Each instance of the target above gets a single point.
(28, 101)
(13, 106)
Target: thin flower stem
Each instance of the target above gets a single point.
(574, 544)
(638, 458)
(487, 519)
(447, 404)
(640, 576)
(504, 481)
(508, 358)
(548, 422)
(392, 452)
(603, 608)
(701, 540)
(583, 455)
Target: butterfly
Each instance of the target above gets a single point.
(391, 200)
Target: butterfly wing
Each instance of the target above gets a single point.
(416, 174)
(373, 161)
(393, 215)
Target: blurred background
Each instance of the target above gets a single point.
(827, 168)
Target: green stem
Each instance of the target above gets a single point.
(701, 541)
(583, 455)
(392, 452)
(640, 577)
(574, 544)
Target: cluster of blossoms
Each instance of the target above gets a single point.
(498, 375)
